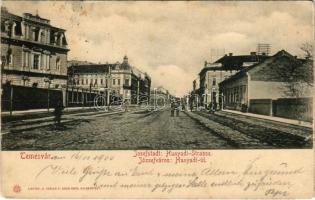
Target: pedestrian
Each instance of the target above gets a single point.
(126, 103)
(211, 107)
(215, 106)
(172, 108)
(183, 106)
(58, 112)
(177, 107)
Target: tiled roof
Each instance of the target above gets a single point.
(245, 70)
(234, 62)
(90, 68)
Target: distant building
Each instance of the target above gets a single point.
(120, 79)
(264, 88)
(214, 73)
(33, 52)
(160, 95)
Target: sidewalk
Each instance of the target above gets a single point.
(272, 118)
(46, 121)
(21, 112)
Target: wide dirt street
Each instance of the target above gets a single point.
(157, 130)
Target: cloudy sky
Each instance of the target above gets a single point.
(171, 40)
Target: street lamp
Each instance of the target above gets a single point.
(48, 80)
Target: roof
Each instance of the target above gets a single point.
(213, 69)
(235, 62)
(90, 68)
(245, 70)
(36, 19)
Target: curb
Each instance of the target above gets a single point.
(263, 117)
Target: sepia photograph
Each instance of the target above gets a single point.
(97, 75)
(157, 99)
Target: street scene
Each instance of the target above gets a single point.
(154, 130)
(95, 80)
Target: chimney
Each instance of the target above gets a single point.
(253, 53)
(230, 54)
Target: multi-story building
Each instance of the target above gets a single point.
(279, 86)
(33, 52)
(120, 79)
(214, 73)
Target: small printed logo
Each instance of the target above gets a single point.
(16, 188)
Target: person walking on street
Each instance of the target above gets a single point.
(172, 109)
(58, 112)
(177, 107)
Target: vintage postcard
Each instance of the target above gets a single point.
(136, 99)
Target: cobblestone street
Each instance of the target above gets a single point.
(157, 130)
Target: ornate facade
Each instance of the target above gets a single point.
(33, 52)
(120, 79)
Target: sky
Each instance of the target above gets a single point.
(172, 40)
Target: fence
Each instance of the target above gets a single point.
(24, 98)
(291, 108)
(260, 106)
(301, 108)
(77, 98)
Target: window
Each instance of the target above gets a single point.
(24, 55)
(214, 81)
(101, 81)
(95, 83)
(10, 59)
(127, 82)
(48, 62)
(42, 37)
(58, 63)
(114, 81)
(118, 81)
(36, 61)
(82, 82)
(86, 81)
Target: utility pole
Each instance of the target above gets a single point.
(138, 91)
(154, 98)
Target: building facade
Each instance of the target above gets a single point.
(261, 87)
(33, 52)
(118, 79)
(214, 73)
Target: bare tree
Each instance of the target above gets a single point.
(307, 48)
(296, 74)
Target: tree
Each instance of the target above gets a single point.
(307, 48)
(297, 75)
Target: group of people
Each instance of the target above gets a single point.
(212, 107)
(175, 106)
